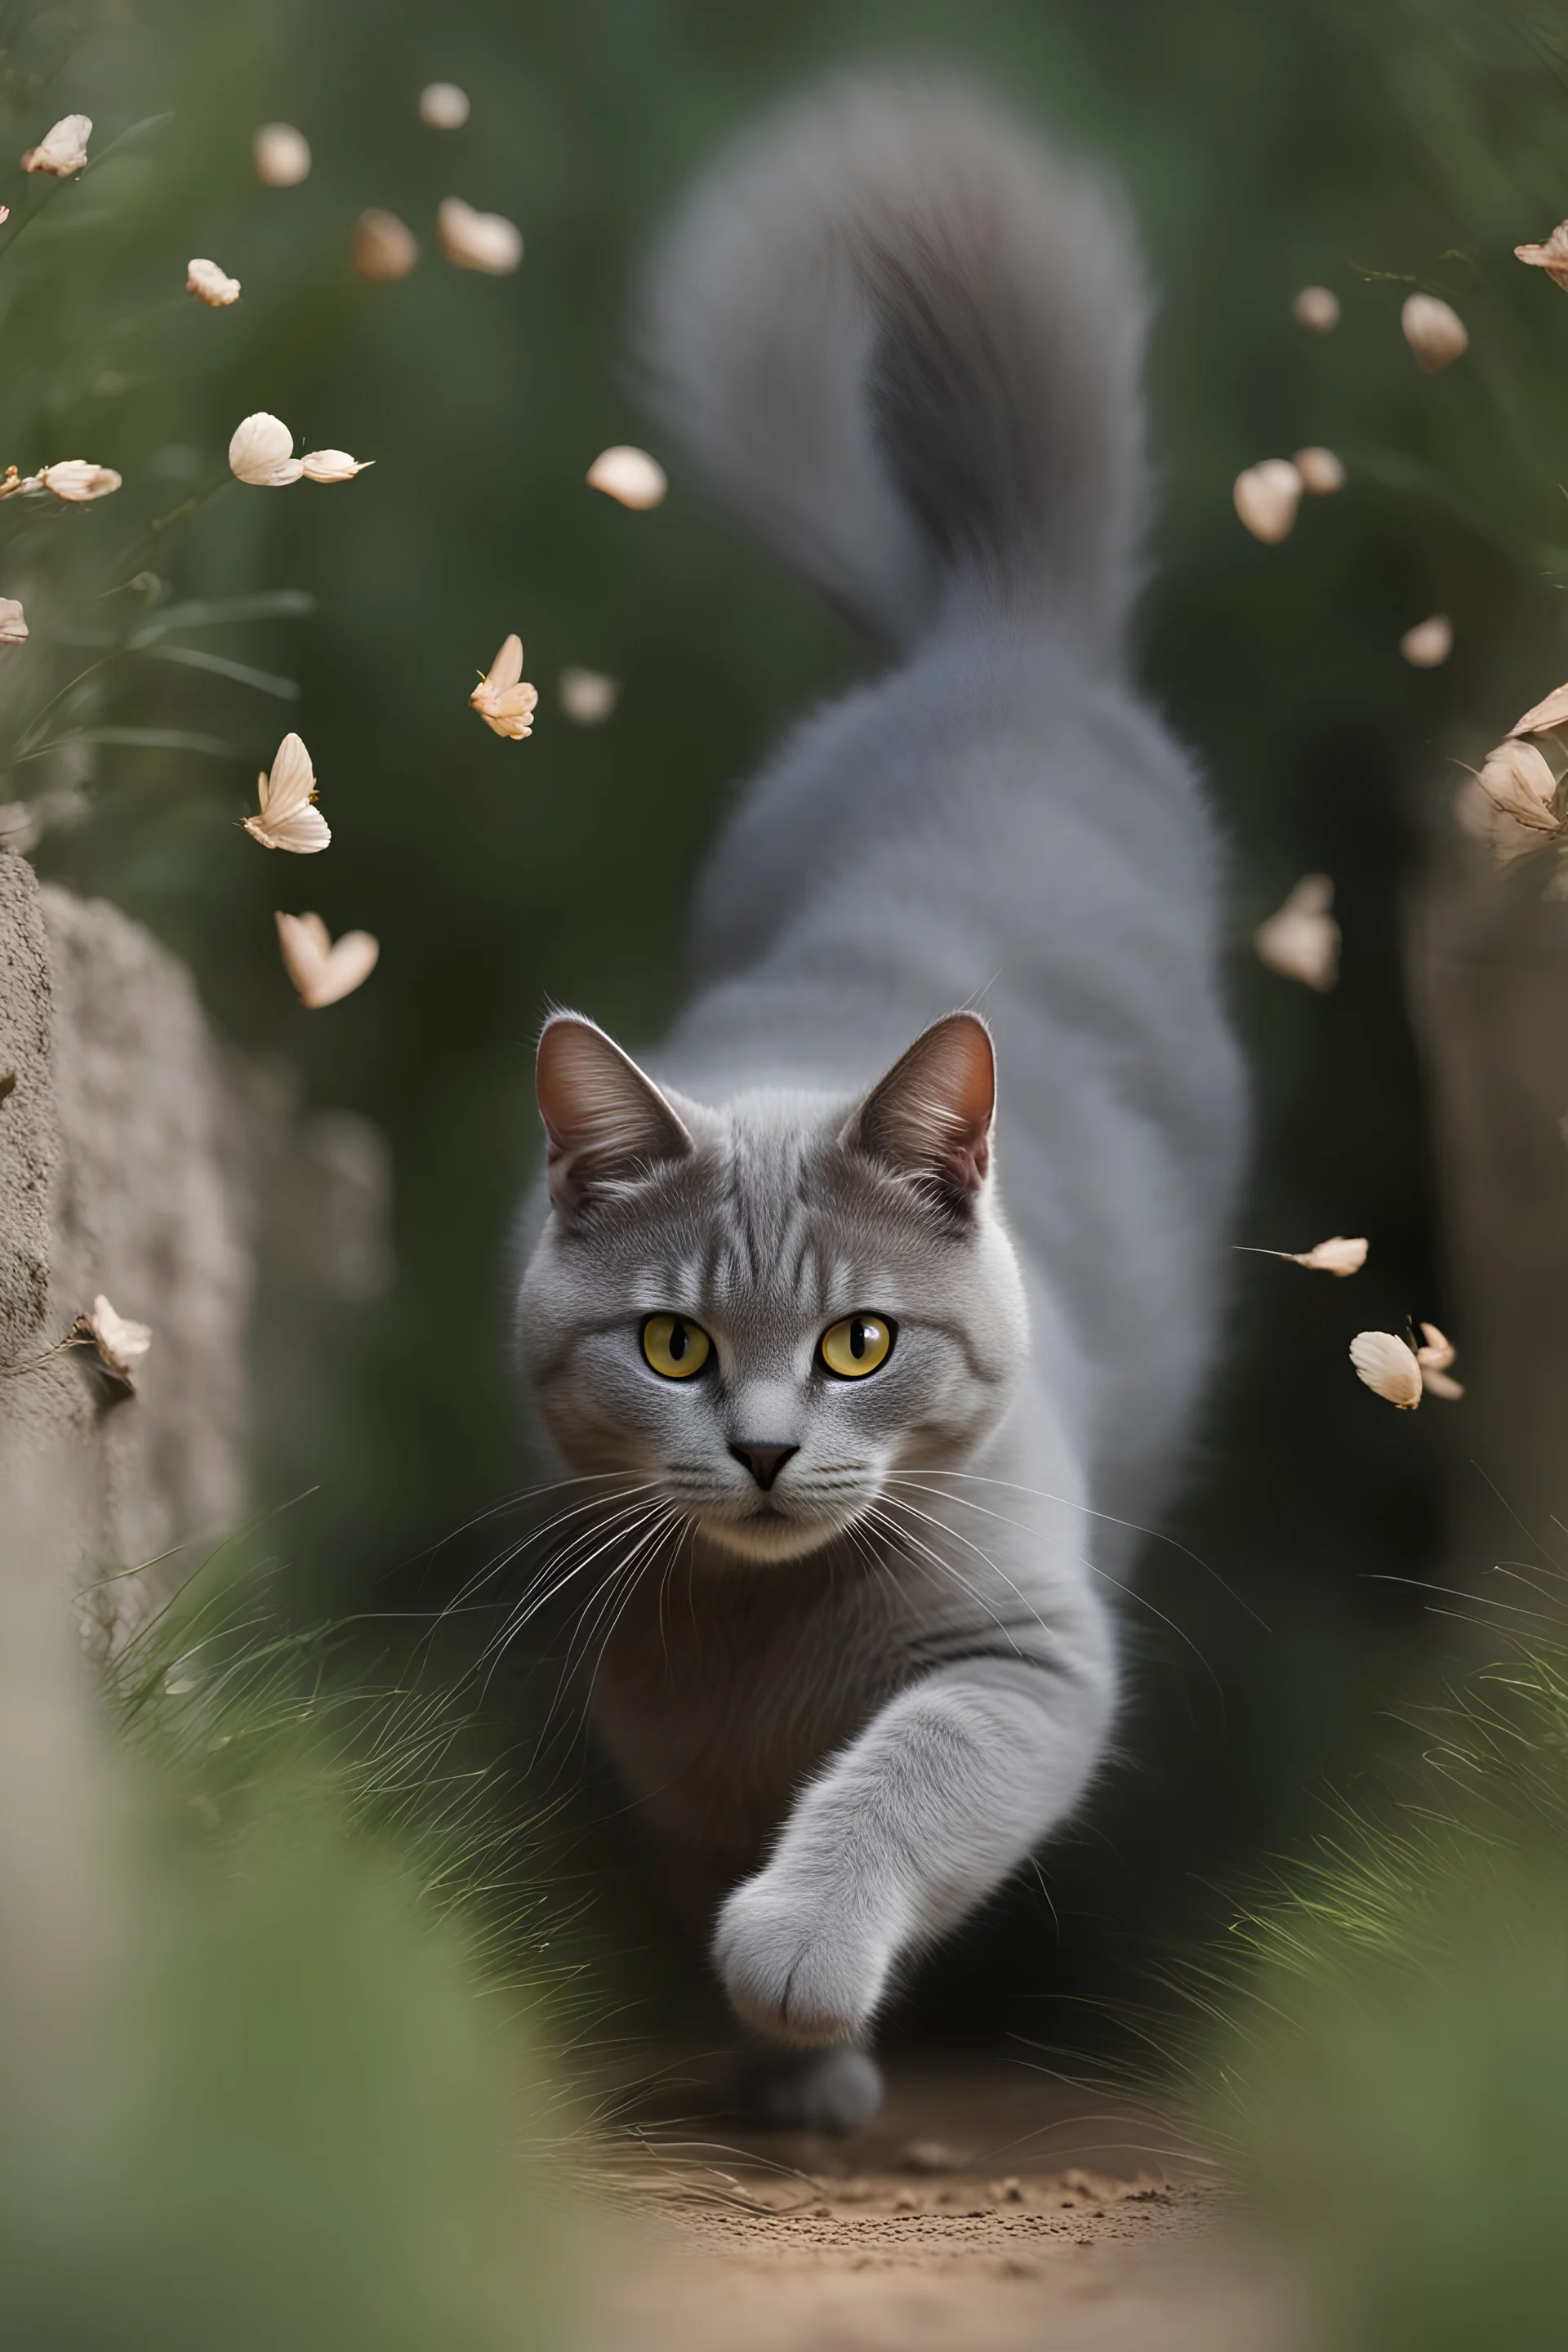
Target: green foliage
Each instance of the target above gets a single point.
(1389, 2064)
(295, 2110)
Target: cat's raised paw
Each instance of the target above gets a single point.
(799, 1966)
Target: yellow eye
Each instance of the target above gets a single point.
(859, 1345)
(675, 1346)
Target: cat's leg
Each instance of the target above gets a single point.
(909, 1827)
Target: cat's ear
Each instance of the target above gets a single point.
(604, 1122)
(929, 1118)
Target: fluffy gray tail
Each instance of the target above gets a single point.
(902, 342)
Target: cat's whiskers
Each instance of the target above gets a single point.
(1129, 1591)
(881, 1516)
(899, 1503)
(555, 1575)
(504, 1558)
(1132, 1527)
(611, 1594)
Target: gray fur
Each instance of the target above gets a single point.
(847, 1709)
(903, 343)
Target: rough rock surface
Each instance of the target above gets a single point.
(119, 1173)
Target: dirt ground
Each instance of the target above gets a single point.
(989, 2207)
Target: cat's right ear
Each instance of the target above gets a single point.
(604, 1122)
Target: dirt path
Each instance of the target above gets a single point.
(988, 2207)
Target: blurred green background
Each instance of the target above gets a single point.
(1264, 149)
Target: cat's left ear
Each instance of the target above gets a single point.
(605, 1122)
(929, 1118)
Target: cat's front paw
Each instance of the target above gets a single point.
(798, 1963)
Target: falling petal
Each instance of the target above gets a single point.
(1552, 257)
(119, 1344)
(77, 480)
(324, 971)
(1433, 331)
(1435, 1358)
(261, 453)
(282, 155)
(211, 285)
(333, 466)
(629, 475)
(1429, 642)
(503, 698)
(1517, 778)
(1321, 472)
(443, 106)
(1542, 716)
(1337, 1255)
(288, 816)
(478, 240)
(63, 150)
(1317, 307)
(587, 696)
(1302, 940)
(383, 247)
(1266, 497)
(1388, 1367)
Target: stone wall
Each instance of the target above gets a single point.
(121, 1171)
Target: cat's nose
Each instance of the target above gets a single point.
(763, 1462)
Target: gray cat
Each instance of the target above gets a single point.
(863, 1372)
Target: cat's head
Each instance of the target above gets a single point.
(764, 1308)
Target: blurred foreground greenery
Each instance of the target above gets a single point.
(1390, 2074)
(275, 1996)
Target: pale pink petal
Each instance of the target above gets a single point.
(629, 474)
(1433, 331)
(1388, 1367)
(1317, 307)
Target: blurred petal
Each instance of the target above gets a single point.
(587, 696)
(1429, 642)
(1317, 307)
(282, 155)
(629, 475)
(13, 625)
(443, 106)
(478, 240)
(1433, 331)
(1302, 940)
(385, 248)
(1266, 498)
(324, 972)
(1321, 472)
